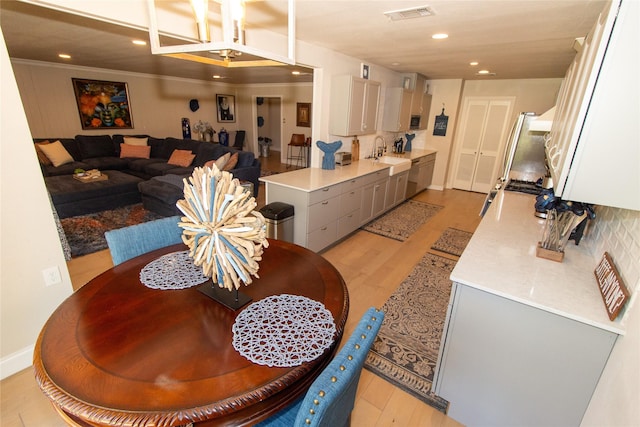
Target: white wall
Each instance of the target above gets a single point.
(30, 241)
(615, 401)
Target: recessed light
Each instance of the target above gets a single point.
(483, 72)
(440, 36)
(139, 42)
(474, 63)
(64, 56)
(395, 64)
(295, 73)
(217, 76)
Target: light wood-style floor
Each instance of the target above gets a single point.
(372, 266)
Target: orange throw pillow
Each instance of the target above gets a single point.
(231, 163)
(135, 151)
(181, 158)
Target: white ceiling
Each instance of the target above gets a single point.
(511, 38)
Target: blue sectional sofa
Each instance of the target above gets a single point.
(103, 152)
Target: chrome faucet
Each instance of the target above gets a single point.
(379, 151)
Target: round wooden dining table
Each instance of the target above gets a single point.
(117, 352)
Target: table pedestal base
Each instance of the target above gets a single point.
(230, 299)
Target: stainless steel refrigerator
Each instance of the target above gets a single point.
(524, 160)
(524, 157)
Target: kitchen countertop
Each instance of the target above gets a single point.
(501, 259)
(311, 179)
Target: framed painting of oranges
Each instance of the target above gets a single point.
(103, 104)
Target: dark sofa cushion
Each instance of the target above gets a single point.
(245, 159)
(96, 146)
(157, 148)
(208, 152)
(107, 163)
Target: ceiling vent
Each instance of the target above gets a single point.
(414, 12)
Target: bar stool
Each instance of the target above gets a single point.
(297, 150)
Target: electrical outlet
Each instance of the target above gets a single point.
(51, 276)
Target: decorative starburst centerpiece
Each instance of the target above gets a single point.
(225, 235)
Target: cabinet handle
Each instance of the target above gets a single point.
(323, 228)
(326, 202)
(325, 189)
(352, 193)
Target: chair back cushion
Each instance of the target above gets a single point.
(297, 139)
(129, 242)
(330, 399)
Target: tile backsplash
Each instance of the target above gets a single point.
(617, 231)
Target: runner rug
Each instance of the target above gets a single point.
(403, 220)
(406, 349)
(85, 233)
(452, 241)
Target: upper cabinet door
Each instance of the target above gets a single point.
(353, 106)
(397, 109)
(593, 149)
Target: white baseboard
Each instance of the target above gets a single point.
(16, 362)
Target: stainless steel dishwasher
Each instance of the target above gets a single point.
(420, 174)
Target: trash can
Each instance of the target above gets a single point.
(264, 150)
(279, 219)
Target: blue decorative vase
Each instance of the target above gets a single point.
(223, 137)
(329, 150)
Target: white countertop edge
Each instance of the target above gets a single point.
(612, 327)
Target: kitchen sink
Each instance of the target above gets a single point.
(398, 164)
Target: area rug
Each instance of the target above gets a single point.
(406, 349)
(452, 241)
(402, 221)
(85, 233)
(264, 172)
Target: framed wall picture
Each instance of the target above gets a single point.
(303, 114)
(102, 104)
(226, 108)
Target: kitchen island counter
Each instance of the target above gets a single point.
(312, 179)
(501, 259)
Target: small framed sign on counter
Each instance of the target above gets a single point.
(614, 292)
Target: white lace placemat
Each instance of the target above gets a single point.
(283, 331)
(175, 270)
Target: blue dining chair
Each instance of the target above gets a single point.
(129, 242)
(330, 399)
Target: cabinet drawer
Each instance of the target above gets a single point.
(352, 184)
(322, 237)
(324, 193)
(375, 176)
(348, 223)
(323, 212)
(350, 200)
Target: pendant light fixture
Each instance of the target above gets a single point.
(231, 24)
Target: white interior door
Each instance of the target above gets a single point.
(482, 137)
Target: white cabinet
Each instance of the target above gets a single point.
(373, 195)
(353, 106)
(593, 149)
(504, 363)
(325, 215)
(484, 128)
(421, 101)
(350, 204)
(396, 190)
(397, 109)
